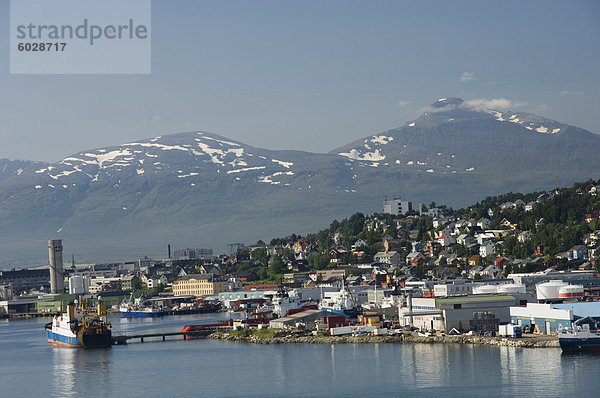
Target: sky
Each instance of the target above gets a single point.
(312, 75)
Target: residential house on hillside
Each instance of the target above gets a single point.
(483, 223)
(524, 236)
(209, 269)
(358, 244)
(577, 253)
(500, 262)
(393, 258)
(415, 258)
(465, 240)
(491, 271)
(474, 260)
(444, 231)
(417, 247)
(486, 250)
(156, 281)
(446, 240)
(519, 203)
(506, 223)
(336, 254)
(438, 221)
(485, 237)
(530, 206)
(594, 214)
(129, 281)
(475, 271)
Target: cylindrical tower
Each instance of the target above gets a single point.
(57, 280)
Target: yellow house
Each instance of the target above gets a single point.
(199, 285)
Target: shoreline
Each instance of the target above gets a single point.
(528, 341)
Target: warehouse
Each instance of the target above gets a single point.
(541, 318)
(306, 318)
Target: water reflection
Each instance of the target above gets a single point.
(76, 370)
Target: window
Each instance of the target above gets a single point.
(457, 306)
(484, 315)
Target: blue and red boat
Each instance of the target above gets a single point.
(80, 326)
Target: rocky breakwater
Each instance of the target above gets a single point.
(528, 341)
(293, 337)
(302, 338)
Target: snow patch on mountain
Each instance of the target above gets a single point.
(219, 141)
(187, 175)
(61, 174)
(109, 156)
(287, 165)
(354, 154)
(246, 169)
(267, 179)
(381, 139)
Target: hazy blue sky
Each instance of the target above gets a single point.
(312, 75)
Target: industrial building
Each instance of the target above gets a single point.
(479, 312)
(307, 318)
(548, 318)
(26, 279)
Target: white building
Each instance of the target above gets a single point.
(396, 206)
(486, 249)
(392, 258)
(79, 284)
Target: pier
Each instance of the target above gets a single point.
(123, 339)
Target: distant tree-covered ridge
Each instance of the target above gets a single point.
(536, 224)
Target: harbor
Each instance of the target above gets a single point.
(223, 367)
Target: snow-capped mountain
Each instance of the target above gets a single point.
(190, 157)
(201, 190)
(454, 137)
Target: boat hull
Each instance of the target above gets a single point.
(83, 340)
(351, 312)
(142, 314)
(579, 344)
(58, 340)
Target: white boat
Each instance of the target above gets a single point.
(580, 337)
(339, 302)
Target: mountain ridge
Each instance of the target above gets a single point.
(202, 189)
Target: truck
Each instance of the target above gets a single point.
(509, 330)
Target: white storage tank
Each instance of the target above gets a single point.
(484, 289)
(79, 284)
(571, 292)
(511, 288)
(549, 290)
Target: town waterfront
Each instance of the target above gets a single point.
(29, 367)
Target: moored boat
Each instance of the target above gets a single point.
(580, 337)
(142, 311)
(140, 308)
(80, 326)
(340, 302)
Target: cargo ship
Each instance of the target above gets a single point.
(580, 337)
(80, 326)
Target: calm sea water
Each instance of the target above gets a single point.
(206, 368)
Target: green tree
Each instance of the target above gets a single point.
(318, 261)
(275, 265)
(288, 254)
(260, 256)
